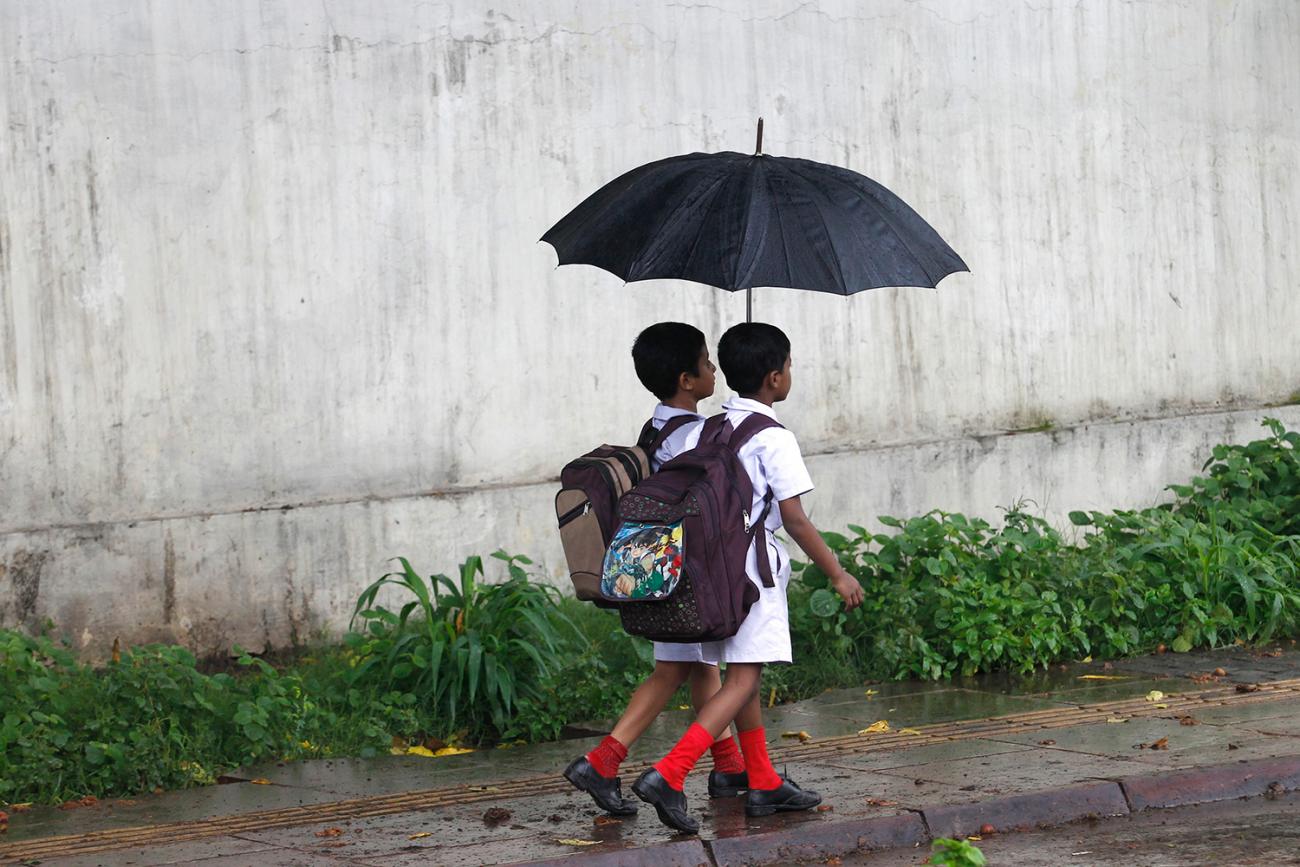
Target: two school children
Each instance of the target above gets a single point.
(672, 361)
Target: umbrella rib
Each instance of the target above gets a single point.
(820, 216)
(780, 225)
(658, 234)
(885, 217)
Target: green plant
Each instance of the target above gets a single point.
(946, 852)
(468, 652)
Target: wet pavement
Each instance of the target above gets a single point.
(955, 743)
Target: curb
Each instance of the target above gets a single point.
(1214, 783)
(1024, 811)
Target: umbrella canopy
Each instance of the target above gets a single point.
(737, 221)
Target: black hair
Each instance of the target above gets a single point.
(748, 352)
(663, 352)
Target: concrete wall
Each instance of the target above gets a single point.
(272, 307)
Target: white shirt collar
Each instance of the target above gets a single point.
(748, 404)
(663, 412)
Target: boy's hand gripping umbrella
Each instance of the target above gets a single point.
(737, 221)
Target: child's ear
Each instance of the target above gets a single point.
(684, 382)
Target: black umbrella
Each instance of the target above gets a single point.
(737, 221)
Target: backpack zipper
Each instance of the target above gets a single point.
(576, 512)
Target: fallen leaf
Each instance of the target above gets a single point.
(974, 837)
(1162, 744)
(1160, 648)
(771, 697)
(1084, 852)
(871, 692)
(824, 808)
(1219, 672)
(451, 751)
(881, 802)
(1116, 719)
(987, 829)
(329, 832)
(1047, 743)
(1086, 659)
(1247, 687)
(908, 732)
(876, 728)
(1104, 677)
(555, 818)
(421, 835)
(496, 815)
(573, 841)
(261, 781)
(1155, 695)
(602, 819)
(1162, 706)
(803, 737)
(417, 751)
(24, 807)
(1233, 747)
(1187, 721)
(1274, 791)
(683, 707)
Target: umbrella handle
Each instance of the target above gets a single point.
(758, 145)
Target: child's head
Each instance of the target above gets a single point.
(672, 360)
(755, 358)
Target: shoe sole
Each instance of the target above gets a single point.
(769, 809)
(664, 815)
(727, 792)
(613, 811)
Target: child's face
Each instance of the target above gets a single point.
(701, 386)
(783, 382)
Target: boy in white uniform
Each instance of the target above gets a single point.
(755, 358)
(672, 361)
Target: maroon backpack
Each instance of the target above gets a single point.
(676, 568)
(590, 488)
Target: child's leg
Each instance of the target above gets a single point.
(740, 688)
(727, 759)
(596, 773)
(649, 699)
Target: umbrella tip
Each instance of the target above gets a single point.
(758, 145)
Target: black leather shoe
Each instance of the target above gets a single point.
(669, 803)
(605, 792)
(727, 785)
(788, 796)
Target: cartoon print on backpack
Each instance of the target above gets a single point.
(644, 561)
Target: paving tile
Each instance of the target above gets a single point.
(250, 851)
(186, 805)
(934, 707)
(1230, 713)
(924, 753)
(1021, 771)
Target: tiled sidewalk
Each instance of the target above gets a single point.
(981, 743)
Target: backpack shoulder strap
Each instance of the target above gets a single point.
(670, 427)
(647, 434)
(751, 426)
(756, 422)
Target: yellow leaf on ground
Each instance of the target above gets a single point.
(683, 707)
(872, 692)
(1086, 659)
(1162, 706)
(908, 732)
(260, 781)
(572, 841)
(452, 751)
(1115, 719)
(1155, 695)
(876, 728)
(417, 751)
(420, 835)
(771, 697)
(804, 737)
(1104, 677)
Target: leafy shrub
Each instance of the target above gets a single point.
(468, 653)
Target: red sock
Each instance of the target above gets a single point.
(681, 758)
(762, 775)
(726, 757)
(607, 757)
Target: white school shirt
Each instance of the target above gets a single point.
(774, 463)
(673, 446)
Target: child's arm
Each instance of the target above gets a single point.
(805, 535)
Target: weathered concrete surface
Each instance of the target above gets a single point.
(254, 256)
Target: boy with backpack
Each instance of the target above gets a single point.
(672, 362)
(755, 358)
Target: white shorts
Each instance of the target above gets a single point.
(765, 634)
(668, 652)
